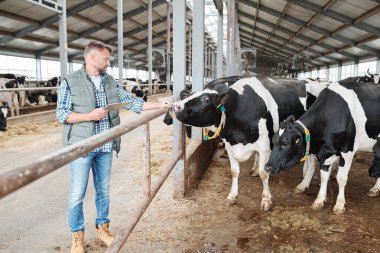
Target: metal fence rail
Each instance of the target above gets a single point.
(22, 176)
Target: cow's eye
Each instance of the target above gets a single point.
(285, 145)
(207, 99)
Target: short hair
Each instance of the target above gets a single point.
(94, 44)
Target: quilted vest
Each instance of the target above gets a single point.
(83, 101)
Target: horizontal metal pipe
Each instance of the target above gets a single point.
(28, 89)
(19, 177)
(122, 236)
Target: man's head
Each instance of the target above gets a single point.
(97, 56)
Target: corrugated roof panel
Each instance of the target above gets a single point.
(373, 20)
(299, 41)
(47, 33)
(356, 51)
(27, 9)
(98, 13)
(78, 25)
(282, 34)
(353, 8)
(338, 56)
(327, 23)
(375, 44)
(311, 34)
(9, 25)
(353, 33)
(299, 12)
(289, 25)
(334, 43)
(273, 4)
(104, 34)
(27, 45)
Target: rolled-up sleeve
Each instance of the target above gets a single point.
(135, 104)
(63, 102)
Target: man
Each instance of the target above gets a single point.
(82, 96)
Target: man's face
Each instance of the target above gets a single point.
(101, 60)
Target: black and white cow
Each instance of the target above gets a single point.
(248, 113)
(9, 97)
(3, 118)
(344, 119)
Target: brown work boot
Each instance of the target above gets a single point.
(103, 234)
(78, 242)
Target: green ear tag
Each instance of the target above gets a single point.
(222, 109)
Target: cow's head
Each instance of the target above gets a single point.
(200, 109)
(288, 147)
(374, 170)
(3, 118)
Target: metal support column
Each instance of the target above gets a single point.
(228, 59)
(38, 68)
(150, 66)
(339, 71)
(63, 39)
(219, 61)
(378, 65)
(179, 79)
(120, 50)
(356, 67)
(168, 46)
(198, 54)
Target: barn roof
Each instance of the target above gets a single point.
(327, 31)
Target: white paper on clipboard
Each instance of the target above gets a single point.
(116, 106)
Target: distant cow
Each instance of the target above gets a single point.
(3, 118)
(9, 97)
(344, 119)
(139, 93)
(247, 114)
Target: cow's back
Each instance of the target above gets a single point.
(368, 95)
(288, 94)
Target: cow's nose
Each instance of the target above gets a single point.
(176, 108)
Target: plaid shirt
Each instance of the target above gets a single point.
(64, 107)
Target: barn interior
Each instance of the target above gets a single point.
(185, 44)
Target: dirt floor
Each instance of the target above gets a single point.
(34, 219)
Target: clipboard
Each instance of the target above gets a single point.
(116, 106)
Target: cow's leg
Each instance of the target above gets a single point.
(266, 200)
(235, 170)
(325, 175)
(375, 190)
(15, 103)
(342, 181)
(255, 167)
(308, 172)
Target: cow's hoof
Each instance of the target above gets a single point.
(338, 210)
(373, 193)
(317, 205)
(299, 189)
(266, 206)
(230, 202)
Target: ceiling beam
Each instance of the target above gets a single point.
(340, 17)
(291, 33)
(301, 23)
(105, 25)
(50, 20)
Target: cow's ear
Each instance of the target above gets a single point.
(184, 94)
(290, 119)
(222, 98)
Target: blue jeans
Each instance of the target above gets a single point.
(100, 164)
